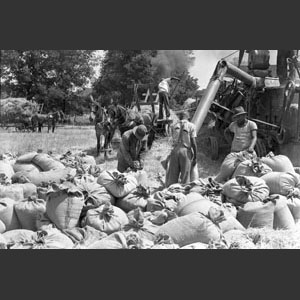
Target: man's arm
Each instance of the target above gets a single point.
(194, 147)
(142, 154)
(125, 149)
(253, 141)
(228, 135)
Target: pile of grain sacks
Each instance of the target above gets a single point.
(68, 202)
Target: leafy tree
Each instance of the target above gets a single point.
(47, 76)
(120, 68)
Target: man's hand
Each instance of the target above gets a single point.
(136, 165)
(250, 149)
(141, 165)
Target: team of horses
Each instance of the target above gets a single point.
(36, 121)
(108, 120)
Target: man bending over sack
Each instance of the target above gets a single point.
(132, 149)
(184, 154)
(243, 143)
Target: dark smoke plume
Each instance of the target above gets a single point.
(169, 62)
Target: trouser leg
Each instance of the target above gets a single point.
(160, 103)
(173, 169)
(185, 156)
(167, 105)
(122, 164)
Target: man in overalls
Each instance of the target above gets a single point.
(184, 154)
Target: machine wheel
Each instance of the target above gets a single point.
(281, 136)
(260, 148)
(213, 147)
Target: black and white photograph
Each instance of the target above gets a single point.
(150, 149)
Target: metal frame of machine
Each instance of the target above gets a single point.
(273, 106)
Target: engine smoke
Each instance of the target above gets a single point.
(167, 62)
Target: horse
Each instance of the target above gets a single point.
(38, 120)
(103, 127)
(126, 119)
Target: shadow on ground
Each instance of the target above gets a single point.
(112, 156)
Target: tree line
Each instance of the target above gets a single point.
(58, 78)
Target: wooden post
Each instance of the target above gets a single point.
(136, 96)
(151, 99)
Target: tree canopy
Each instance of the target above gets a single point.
(57, 78)
(121, 68)
(51, 77)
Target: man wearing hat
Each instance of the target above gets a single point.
(163, 93)
(132, 149)
(244, 130)
(183, 157)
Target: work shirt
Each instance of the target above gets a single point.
(164, 85)
(183, 132)
(131, 148)
(242, 135)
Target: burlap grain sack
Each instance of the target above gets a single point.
(141, 177)
(25, 168)
(231, 161)
(191, 229)
(115, 240)
(8, 215)
(42, 192)
(19, 236)
(28, 212)
(283, 218)
(250, 168)
(278, 163)
(282, 183)
(29, 189)
(85, 159)
(3, 243)
(46, 162)
(64, 205)
(243, 189)
(138, 198)
(6, 169)
(224, 220)
(106, 218)
(194, 246)
(2, 227)
(84, 236)
(26, 158)
(52, 239)
(294, 206)
(119, 189)
(194, 202)
(160, 217)
(256, 214)
(43, 222)
(40, 178)
(13, 191)
(141, 226)
(94, 194)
